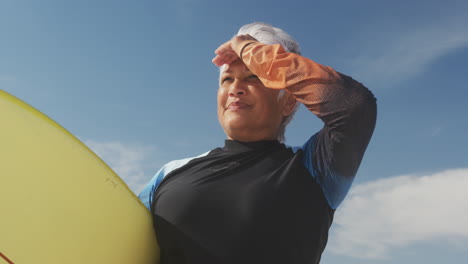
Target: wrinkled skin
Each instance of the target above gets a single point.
(247, 110)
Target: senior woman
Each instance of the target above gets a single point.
(256, 200)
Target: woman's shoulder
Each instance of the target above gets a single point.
(146, 194)
(175, 164)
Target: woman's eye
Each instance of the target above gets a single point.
(253, 77)
(226, 79)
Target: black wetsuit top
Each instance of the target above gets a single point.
(244, 203)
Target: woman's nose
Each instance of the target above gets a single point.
(237, 88)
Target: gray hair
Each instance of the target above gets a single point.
(270, 35)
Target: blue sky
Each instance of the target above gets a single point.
(134, 81)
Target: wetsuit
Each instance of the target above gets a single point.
(264, 202)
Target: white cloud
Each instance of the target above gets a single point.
(386, 214)
(133, 163)
(402, 54)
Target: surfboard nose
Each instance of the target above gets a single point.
(59, 202)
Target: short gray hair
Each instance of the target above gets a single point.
(267, 34)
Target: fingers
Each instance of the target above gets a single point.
(225, 58)
(225, 53)
(223, 48)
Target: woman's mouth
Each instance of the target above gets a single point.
(237, 106)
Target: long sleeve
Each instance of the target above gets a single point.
(347, 108)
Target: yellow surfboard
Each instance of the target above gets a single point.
(59, 202)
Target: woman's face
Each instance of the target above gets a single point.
(247, 110)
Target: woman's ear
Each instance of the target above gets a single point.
(289, 103)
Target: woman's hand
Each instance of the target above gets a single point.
(225, 53)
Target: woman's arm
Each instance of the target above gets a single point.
(347, 108)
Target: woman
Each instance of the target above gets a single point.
(256, 200)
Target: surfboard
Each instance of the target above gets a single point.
(59, 202)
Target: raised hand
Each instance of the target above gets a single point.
(225, 53)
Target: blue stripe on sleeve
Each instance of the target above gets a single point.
(334, 186)
(146, 195)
